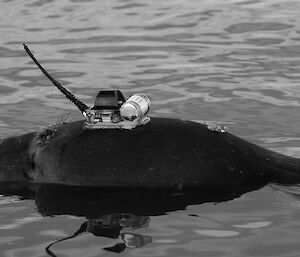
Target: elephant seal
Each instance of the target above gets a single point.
(136, 152)
(168, 153)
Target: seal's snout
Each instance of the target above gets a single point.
(14, 161)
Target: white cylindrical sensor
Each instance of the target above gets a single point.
(135, 107)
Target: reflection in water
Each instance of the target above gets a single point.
(112, 213)
(122, 217)
(110, 226)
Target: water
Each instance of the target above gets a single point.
(234, 61)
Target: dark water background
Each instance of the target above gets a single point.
(233, 61)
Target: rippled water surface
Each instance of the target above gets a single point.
(233, 61)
